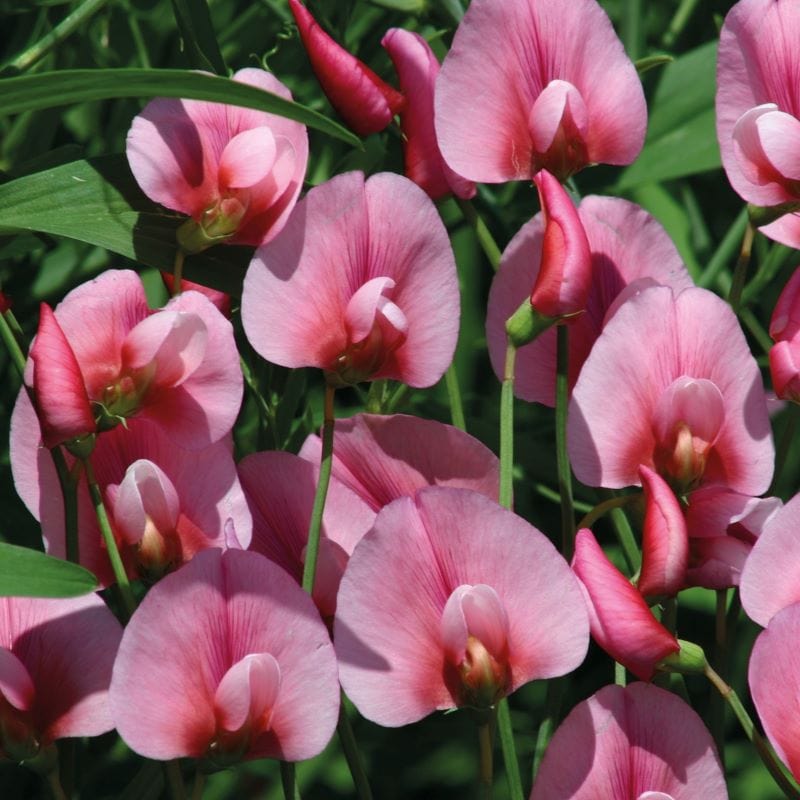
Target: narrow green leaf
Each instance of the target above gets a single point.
(29, 573)
(650, 62)
(48, 89)
(197, 32)
(408, 6)
(99, 202)
(681, 137)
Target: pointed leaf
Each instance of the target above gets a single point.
(29, 573)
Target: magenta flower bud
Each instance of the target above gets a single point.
(784, 328)
(366, 102)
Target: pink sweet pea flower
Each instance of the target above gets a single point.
(758, 108)
(55, 668)
(361, 283)
(671, 384)
(626, 245)
(280, 489)
(620, 620)
(417, 69)
(235, 171)
(165, 504)
(366, 103)
(176, 368)
(383, 457)
(530, 85)
(226, 659)
(451, 600)
(636, 742)
(774, 685)
(784, 328)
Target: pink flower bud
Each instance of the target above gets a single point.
(366, 102)
(784, 328)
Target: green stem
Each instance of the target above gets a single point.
(399, 397)
(10, 340)
(177, 272)
(626, 539)
(562, 459)
(376, 397)
(288, 781)
(69, 493)
(631, 27)
(352, 753)
(485, 238)
(784, 443)
(454, 395)
(552, 495)
(509, 750)
(507, 429)
(762, 747)
(740, 270)
(315, 525)
(717, 706)
(486, 745)
(726, 249)
(65, 28)
(172, 770)
(138, 42)
(552, 710)
(117, 566)
(199, 785)
(601, 509)
(679, 22)
(620, 675)
(55, 785)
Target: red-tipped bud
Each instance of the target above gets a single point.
(665, 541)
(620, 620)
(61, 399)
(565, 275)
(220, 299)
(366, 102)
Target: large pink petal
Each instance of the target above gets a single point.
(16, 685)
(382, 457)
(503, 56)
(774, 678)
(208, 616)
(621, 622)
(653, 339)
(388, 624)
(637, 742)
(626, 244)
(785, 322)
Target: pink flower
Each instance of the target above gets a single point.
(220, 299)
(530, 85)
(250, 672)
(366, 103)
(451, 600)
(758, 108)
(784, 328)
(235, 171)
(671, 384)
(417, 68)
(637, 741)
(361, 283)
(383, 457)
(774, 686)
(55, 669)
(626, 245)
(176, 368)
(620, 620)
(280, 489)
(165, 504)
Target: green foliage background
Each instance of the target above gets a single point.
(69, 209)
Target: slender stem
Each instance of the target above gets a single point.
(507, 430)
(485, 238)
(172, 770)
(555, 497)
(784, 443)
(12, 343)
(55, 785)
(740, 270)
(601, 509)
(398, 398)
(138, 40)
(562, 459)
(315, 526)
(763, 748)
(454, 395)
(620, 675)
(288, 781)
(486, 744)
(626, 539)
(27, 58)
(177, 272)
(726, 249)
(679, 21)
(509, 750)
(117, 566)
(199, 785)
(352, 753)
(717, 706)
(376, 397)
(631, 27)
(552, 710)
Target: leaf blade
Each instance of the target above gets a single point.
(29, 573)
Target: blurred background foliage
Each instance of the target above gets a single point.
(677, 178)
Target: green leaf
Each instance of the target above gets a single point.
(197, 32)
(29, 573)
(681, 137)
(48, 89)
(408, 6)
(98, 201)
